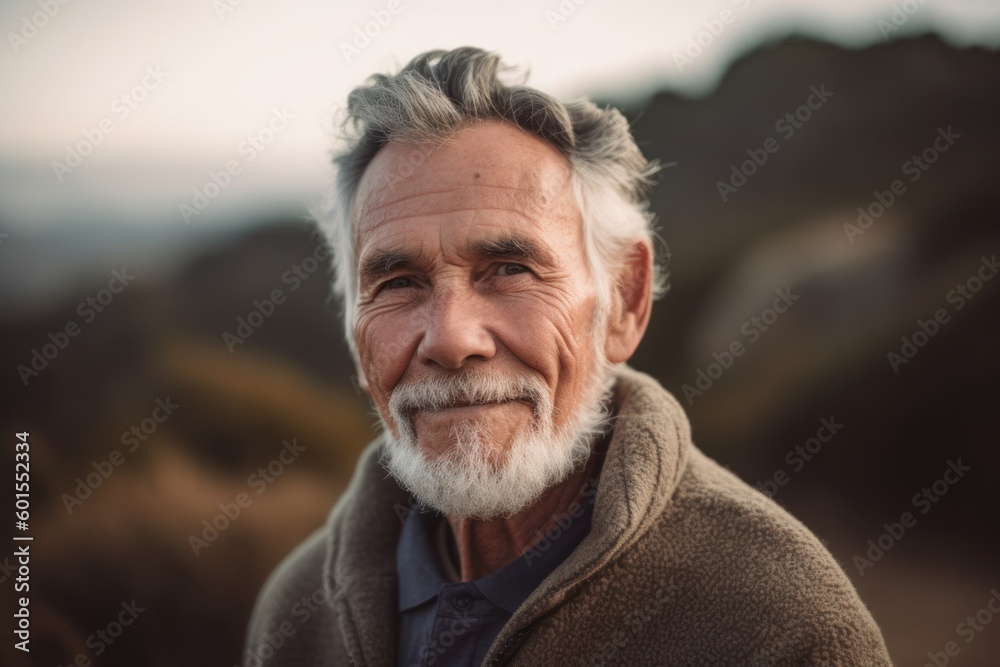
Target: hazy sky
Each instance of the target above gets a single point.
(199, 77)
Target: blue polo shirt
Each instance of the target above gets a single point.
(445, 622)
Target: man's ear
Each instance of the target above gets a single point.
(632, 303)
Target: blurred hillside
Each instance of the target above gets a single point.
(782, 228)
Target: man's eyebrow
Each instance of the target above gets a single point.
(515, 248)
(380, 263)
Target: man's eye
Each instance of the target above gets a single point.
(510, 269)
(397, 283)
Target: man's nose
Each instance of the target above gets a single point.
(455, 332)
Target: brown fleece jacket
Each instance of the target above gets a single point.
(685, 564)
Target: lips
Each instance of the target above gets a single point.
(469, 404)
(460, 404)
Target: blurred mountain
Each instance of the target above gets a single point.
(795, 223)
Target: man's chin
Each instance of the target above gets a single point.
(456, 452)
(483, 432)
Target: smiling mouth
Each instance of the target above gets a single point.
(459, 405)
(472, 404)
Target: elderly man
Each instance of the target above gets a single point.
(544, 503)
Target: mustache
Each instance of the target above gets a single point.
(469, 388)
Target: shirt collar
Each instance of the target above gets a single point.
(511, 585)
(421, 576)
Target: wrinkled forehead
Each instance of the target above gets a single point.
(487, 166)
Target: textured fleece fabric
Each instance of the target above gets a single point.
(685, 565)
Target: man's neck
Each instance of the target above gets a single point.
(483, 547)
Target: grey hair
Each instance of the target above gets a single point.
(440, 92)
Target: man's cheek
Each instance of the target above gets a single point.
(536, 342)
(384, 360)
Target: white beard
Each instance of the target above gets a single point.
(463, 481)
